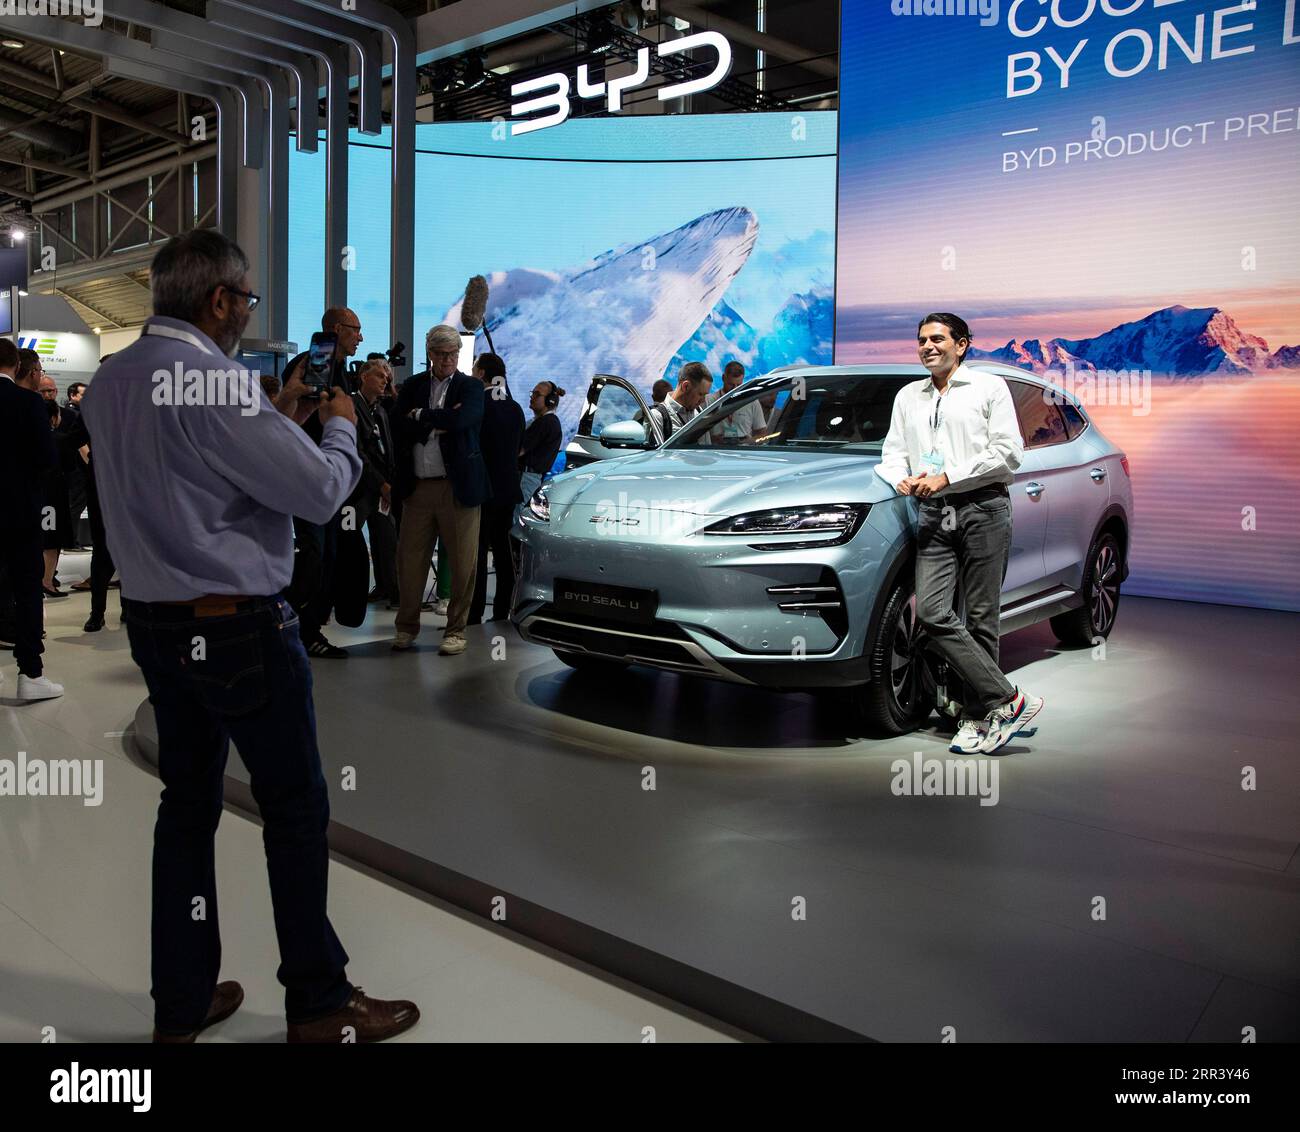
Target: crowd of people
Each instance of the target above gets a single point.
(46, 484)
(238, 536)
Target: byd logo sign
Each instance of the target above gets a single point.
(556, 98)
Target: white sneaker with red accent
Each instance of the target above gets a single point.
(1003, 722)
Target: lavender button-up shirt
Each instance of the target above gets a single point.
(199, 475)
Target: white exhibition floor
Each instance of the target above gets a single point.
(74, 898)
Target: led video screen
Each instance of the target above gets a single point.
(1105, 190)
(615, 245)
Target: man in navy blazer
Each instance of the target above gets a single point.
(442, 481)
(26, 452)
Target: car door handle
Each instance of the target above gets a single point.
(1034, 489)
(1098, 474)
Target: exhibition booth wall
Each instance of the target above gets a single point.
(625, 246)
(1110, 200)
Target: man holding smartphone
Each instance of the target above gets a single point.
(311, 592)
(202, 536)
(954, 443)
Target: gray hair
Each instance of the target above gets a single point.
(442, 337)
(185, 272)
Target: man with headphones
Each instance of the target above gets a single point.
(542, 438)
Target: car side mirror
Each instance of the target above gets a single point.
(625, 434)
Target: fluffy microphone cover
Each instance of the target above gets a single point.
(474, 306)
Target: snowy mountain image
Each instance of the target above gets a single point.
(624, 312)
(1178, 341)
(801, 334)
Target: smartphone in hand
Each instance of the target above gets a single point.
(320, 363)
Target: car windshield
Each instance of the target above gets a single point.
(815, 412)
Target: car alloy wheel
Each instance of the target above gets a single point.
(1104, 598)
(905, 662)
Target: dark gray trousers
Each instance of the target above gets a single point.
(967, 544)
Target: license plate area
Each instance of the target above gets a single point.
(611, 603)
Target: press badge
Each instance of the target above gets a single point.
(933, 461)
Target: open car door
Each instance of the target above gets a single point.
(610, 400)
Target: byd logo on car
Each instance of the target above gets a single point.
(557, 99)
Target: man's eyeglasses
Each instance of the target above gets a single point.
(252, 299)
(444, 355)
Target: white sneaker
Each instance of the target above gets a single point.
(440, 608)
(970, 736)
(403, 641)
(453, 643)
(1003, 722)
(38, 688)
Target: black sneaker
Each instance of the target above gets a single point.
(93, 624)
(321, 647)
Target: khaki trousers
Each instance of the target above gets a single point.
(430, 511)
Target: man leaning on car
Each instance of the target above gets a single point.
(954, 443)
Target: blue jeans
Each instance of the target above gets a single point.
(242, 676)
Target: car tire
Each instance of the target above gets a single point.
(589, 662)
(900, 695)
(1101, 583)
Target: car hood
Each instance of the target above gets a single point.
(699, 482)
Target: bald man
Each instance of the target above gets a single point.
(311, 592)
(344, 323)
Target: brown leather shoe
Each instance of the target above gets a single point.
(361, 1019)
(226, 999)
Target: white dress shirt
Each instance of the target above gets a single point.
(740, 425)
(427, 457)
(977, 435)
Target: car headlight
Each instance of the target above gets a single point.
(830, 524)
(539, 507)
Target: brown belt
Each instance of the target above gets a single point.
(212, 605)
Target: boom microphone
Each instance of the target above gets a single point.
(474, 306)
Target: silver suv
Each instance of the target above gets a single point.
(785, 561)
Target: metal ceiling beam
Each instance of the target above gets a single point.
(57, 31)
(401, 276)
(362, 23)
(102, 316)
(336, 58)
(263, 230)
(28, 162)
(103, 44)
(117, 176)
(348, 28)
(166, 20)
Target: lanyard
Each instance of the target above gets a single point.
(937, 419)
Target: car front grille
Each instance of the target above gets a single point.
(660, 644)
